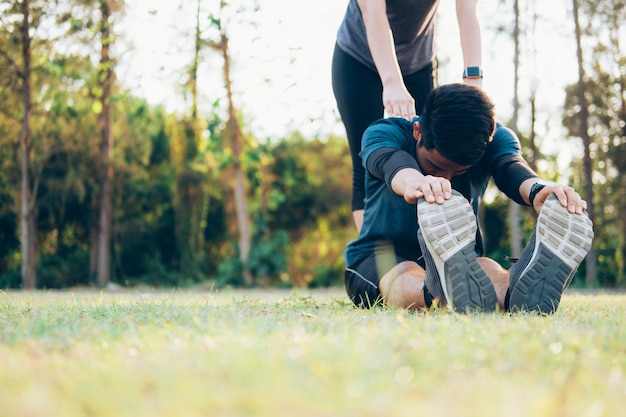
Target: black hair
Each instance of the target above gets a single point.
(458, 121)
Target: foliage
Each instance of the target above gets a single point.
(495, 230)
(315, 208)
(605, 58)
(174, 221)
(302, 217)
(8, 234)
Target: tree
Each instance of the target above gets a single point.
(98, 16)
(235, 139)
(612, 112)
(27, 202)
(21, 17)
(41, 79)
(191, 193)
(522, 31)
(514, 208)
(600, 23)
(105, 78)
(584, 135)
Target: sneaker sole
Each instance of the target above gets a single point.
(449, 232)
(561, 244)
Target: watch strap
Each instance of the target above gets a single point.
(534, 189)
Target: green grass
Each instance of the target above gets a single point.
(303, 354)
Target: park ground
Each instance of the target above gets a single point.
(303, 353)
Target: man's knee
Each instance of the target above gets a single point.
(402, 286)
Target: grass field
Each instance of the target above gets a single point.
(304, 354)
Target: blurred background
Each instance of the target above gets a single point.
(192, 143)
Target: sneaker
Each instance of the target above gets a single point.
(558, 246)
(447, 237)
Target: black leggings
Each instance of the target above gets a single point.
(359, 94)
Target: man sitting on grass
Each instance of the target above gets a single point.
(410, 256)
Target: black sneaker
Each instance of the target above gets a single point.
(558, 246)
(447, 236)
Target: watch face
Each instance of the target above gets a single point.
(473, 72)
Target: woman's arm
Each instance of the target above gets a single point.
(471, 41)
(396, 98)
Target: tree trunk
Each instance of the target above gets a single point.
(106, 179)
(514, 208)
(616, 22)
(239, 187)
(584, 134)
(620, 278)
(532, 145)
(193, 79)
(27, 207)
(94, 225)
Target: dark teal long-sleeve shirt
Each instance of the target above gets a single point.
(390, 223)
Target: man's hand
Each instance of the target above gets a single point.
(413, 185)
(567, 196)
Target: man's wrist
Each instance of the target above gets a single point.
(534, 190)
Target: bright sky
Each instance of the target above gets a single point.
(282, 66)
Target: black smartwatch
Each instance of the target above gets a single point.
(536, 187)
(473, 72)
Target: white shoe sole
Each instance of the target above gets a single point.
(449, 234)
(562, 240)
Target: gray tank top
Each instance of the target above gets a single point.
(412, 24)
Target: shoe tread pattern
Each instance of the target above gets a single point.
(449, 231)
(562, 242)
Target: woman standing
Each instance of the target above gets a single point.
(384, 63)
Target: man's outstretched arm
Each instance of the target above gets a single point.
(413, 185)
(567, 196)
